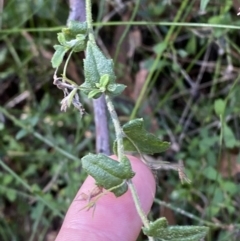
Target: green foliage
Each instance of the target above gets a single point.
(160, 229)
(99, 74)
(107, 172)
(137, 139)
(189, 69)
(73, 37)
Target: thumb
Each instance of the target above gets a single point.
(113, 218)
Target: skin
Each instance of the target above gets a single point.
(113, 218)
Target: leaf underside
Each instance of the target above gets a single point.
(107, 172)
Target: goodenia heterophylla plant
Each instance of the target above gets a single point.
(100, 80)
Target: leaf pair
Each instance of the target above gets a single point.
(108, 173)
(137, 139)
(160, 229)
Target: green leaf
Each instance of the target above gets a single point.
(219, 106)
(115, 89)
(203, 5)
(74, 28)
(96, 93)
(229, 137)
(77, 27)
(80, 44)
(159, 229)
(58, 55)
(20, 134)
(210, 173)
(107, 172)
(160, 48)
(104, 80)
(95, 66)
(61, 39)
(144, 141)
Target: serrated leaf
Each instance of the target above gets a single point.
(74, 28)
(57, 57)
(160, 229)
(144, 141)
(107, 172)
(95, 66)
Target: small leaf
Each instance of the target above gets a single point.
(210, 173)
(20, 134)
(219, 106)
(115, 89)
(74, 28)
(95, 66)
(107, 172)
(159, 229)
(80, 44)
(95, 93)
(144, 141)
(160, 48)
(11, 195)
(57, 57)
(77, 27)
(104, 80)
(229, 137)
(61, 39)
(203, 5)
(70, 97)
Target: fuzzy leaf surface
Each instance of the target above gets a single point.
(57, 57)
(144, 141)
(95, 66)
(107, 172)
(73, 29)
(160, 229)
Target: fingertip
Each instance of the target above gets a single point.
(114, 218)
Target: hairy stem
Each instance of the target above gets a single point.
(137, 202)
(89, 20)
(120, 154)
(117, 127)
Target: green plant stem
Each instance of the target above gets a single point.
(65, 66)
(120, 154)
(117, 127)
(137, 201)
(134, 23)
(89, 20)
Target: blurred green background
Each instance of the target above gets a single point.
(182, 74)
